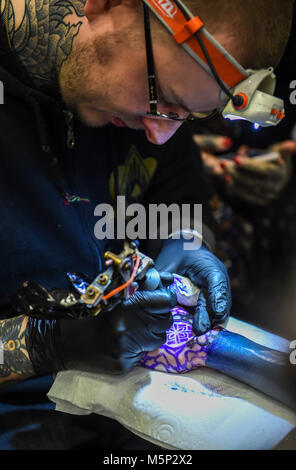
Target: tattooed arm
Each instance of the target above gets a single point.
(265, 369)
(14, 359)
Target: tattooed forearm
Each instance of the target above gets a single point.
(15, 362)
(183, 351)
(181, 358)
(41, 34)
(265, 369)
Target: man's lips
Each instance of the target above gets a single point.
(118, 122)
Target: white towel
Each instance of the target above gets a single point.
(202, 409)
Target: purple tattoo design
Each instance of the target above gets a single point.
(183, 351)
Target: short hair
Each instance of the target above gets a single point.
(256, 31)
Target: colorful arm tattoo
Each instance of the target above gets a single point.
(265, 369)
(183, 351)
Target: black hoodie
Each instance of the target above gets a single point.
(42, 234)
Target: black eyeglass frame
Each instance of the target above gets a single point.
(153, 100)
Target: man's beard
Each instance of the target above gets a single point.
(79, 89)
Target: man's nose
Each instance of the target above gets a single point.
(159, 131)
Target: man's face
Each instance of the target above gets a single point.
(105, 82)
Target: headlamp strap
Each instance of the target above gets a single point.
(188, 29)
(184, 32)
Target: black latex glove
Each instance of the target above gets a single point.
(205, 270)
(114, 341)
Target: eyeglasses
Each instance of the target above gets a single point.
(153, 100)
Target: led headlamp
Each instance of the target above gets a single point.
(248, 94)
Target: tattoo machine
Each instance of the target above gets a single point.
(121, 279)
(118, 282)
(124, 274)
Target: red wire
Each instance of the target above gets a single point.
(126, 284)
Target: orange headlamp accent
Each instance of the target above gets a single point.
(275, 112)
(189, 28)
(281, 115)
(244, 103)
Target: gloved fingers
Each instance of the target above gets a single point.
(133, 350)
(151, 280)
(29, 296)
(129, 360)
(156, 279)
(166, 278)
(152, 341)
(222, 322)
(157, 324)
(163, 303)
(219, 295)
(158, 340)
(201, 318)
(217, 284)
(158, 301)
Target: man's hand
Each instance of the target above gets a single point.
(209, 146)
(114, 341)
(259, 182)
(205, 270)
(246, 179)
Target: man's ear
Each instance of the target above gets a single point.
(93, 8)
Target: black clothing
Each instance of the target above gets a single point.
(49, 188)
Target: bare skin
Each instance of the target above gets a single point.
(94, 52)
